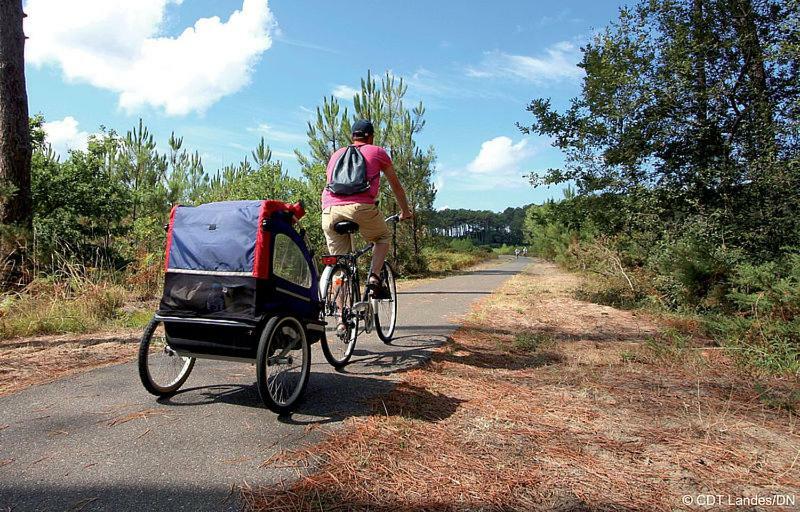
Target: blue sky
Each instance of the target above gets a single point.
(261, 69)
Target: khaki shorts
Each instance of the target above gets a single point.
(370, 221)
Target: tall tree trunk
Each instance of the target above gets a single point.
(752, 50)
(15, 139)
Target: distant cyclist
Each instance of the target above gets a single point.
(516, 252)
(353, 182)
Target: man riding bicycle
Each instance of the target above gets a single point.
(353, 182)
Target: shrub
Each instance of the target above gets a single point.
(462, 245)
(764, 332)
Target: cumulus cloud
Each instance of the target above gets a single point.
(499, 156)
(498, 166)
(559, 62)
(344, 92)
(119, 48)
(64, 135)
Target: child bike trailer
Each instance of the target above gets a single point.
(239, 285)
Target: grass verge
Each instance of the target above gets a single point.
(52, 307)
(443, 261)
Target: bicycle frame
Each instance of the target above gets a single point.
(351, 261)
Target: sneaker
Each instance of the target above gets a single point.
(379, 291)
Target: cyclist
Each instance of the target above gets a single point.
(362, 207)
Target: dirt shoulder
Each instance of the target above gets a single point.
(25, 362)
(545, 402)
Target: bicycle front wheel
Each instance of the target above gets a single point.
(386, 310)
(341, 320)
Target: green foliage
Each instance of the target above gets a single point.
(446, 260)
(687, 111)
(764, 332)
(462, 245)
(79, 205)
(682, 146)
(533, 341)
(505, 250)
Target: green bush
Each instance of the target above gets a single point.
(462, 245)
(505, 250)
(764, 331)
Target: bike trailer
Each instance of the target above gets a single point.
(231, 266)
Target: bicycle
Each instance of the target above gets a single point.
(339, 287)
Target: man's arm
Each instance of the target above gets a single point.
(399, 191)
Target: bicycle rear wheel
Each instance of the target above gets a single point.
(386, 310)
(339, 297)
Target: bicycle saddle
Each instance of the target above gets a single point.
(345, 227)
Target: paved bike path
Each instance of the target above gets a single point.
(99, 441)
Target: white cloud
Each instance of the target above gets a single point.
(499, 165)
(344, 92)
(559, 62)
(64, 135)
(271, 134)
(499, 156)
(118, 48)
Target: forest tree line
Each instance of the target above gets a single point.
(483, 227)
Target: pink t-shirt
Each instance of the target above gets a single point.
(377, 159)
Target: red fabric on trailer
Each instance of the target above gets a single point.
(261, 262)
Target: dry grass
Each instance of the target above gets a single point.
(444, 261)
(543, 402)
(73, 303)
(69, 306)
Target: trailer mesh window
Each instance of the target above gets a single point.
(289, 262)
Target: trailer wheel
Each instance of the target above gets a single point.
(283, 363)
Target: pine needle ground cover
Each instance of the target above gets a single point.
(545, 402)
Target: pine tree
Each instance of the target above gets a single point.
(15, 141)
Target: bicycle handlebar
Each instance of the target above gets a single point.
(393, 218)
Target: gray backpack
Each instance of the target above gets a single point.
(349, 175)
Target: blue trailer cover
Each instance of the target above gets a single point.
(218, 237)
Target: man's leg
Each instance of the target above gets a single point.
(374, 229)
(337, 244)
(379, 253)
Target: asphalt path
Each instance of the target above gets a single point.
(99, 441)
